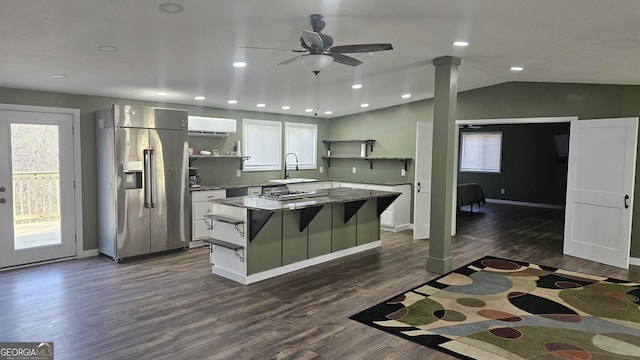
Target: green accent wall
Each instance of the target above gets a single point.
(531, 170)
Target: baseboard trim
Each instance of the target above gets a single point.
(396, 228)
(634, 261)
(524, 203)
(249, 279)
(88, 253)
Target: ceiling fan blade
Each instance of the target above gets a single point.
(270, 48)
(289, 61)
(346, 49)
(312, 39)
(344, 59)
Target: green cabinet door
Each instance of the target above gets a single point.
(320, 233)
(264, 252)
(343, 234)
(368, 223)
(294, 241)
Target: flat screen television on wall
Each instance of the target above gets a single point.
(562, 145)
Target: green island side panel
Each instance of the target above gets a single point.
(265, 251)
(294, 241)
(344, 234)
(320, 233)
(368, 223)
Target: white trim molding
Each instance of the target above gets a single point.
(77, 163)
(524, 203)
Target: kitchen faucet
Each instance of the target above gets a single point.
(286, 174)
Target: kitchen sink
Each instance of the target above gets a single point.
(291, 180)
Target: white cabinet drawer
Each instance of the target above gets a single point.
(206, 195)
(200, 209)
(200, 230)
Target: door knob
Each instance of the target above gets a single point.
(2, 189)
(3, 200)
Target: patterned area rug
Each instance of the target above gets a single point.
(503, 309)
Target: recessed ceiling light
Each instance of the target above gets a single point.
(261, 105)
(517, 68)
(328, 112)
(199, 98)
(356, 86)
(406, 96)
(286, 107)
(171, 8)
(107, 48)
(460, 43)
(308, 110)
(162, 93)
(59, 76)
(239, 64)
(364, 105)
(232, 101)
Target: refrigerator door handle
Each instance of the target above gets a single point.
(147, 177)
(152, 178)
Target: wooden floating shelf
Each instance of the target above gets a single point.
(405, 161)
(242, 159)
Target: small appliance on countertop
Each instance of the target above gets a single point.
(194, 179)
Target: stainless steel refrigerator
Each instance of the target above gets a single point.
(142, 180)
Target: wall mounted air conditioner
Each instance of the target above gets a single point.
(210, 126)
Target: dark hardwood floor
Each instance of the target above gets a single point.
(172, 307)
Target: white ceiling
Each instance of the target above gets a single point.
(191, 53)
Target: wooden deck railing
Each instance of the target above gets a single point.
(36, 197)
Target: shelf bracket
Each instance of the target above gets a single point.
(351, 208)
(257, 220)
(307, 215)
(370, 160)
(370, 143)
(384, 202)
(405, 161)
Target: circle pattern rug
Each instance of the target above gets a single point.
(496, 308)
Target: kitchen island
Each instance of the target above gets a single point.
(255, 238)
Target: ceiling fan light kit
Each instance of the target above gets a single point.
(316, 63)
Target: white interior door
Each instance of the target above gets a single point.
(600, 184)
(422, 189)
(37, 202)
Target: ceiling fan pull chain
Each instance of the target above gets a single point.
(317, 94)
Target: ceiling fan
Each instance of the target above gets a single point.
(321, 52)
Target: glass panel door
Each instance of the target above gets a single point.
(36, 185)
(37, 219)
